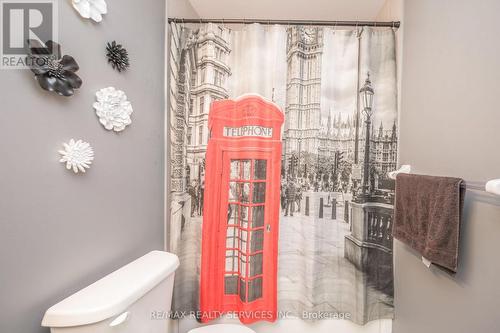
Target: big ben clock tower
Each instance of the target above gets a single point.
(303, 102)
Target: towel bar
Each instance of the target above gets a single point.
(491, 186)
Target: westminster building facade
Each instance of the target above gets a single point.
(314, 149)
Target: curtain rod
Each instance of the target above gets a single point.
(394, 24)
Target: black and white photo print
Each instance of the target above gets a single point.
(337, 89)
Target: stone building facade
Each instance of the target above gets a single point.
(305, 137)
(199, 66)
(303, 91)
(208, 84)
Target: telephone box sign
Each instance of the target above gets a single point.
(263, 132)
(241, 210)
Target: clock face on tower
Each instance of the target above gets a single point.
(308, 35)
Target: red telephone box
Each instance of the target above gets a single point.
(241, 210)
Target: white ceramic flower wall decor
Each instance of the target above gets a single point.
(92, 9)
(78, 155)
(113, 109)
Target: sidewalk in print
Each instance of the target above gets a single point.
(314, 276)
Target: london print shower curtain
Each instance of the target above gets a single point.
(337, 89)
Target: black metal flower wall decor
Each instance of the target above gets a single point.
(117, 56)
(53, 72)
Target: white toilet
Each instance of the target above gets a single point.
(135, 298)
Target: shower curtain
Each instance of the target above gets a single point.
(337, 89)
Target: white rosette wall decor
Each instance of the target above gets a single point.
(92, 9)
(78, 155)
(113, 109)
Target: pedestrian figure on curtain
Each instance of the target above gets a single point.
(290, 192)
(193, 193)
(298, 197)
(283, 197)
(200, 194)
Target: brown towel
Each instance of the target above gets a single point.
(427, 216)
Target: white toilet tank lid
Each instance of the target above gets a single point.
(114, 293)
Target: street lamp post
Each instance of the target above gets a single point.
(367, 97)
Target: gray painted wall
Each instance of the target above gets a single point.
(449, 126)
(60, 232)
